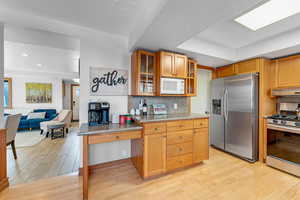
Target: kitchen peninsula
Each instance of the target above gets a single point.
(159, 144)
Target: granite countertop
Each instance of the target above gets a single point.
(158, 118)
(85, 129)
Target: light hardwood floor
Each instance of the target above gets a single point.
(223, 177)
(47, 159)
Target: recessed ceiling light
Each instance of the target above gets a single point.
(39, 65)
(24, 54)
(269, 13)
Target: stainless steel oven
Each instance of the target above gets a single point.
(283, 148)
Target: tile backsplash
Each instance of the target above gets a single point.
(183, 103)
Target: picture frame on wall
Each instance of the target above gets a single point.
(108, 82)
(38, 92)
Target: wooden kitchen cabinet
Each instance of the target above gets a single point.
(170, 145)
(191, 78)
(166, 63)
(200, 145)
(287, 71)
(225, 71)
(248, 66)
(143, 69)
(172, 65)
(180, 65)
(154, 154)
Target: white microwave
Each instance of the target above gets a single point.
(171, 86)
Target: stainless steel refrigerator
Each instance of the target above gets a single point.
(234, 115)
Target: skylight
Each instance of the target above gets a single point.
(269, 13)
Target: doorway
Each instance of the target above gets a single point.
(75, 93)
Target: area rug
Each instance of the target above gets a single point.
(28, 138)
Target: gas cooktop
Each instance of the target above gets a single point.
(284, 120)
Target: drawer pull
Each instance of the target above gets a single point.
(180, 149)
(180, 137)
(117, 137)
(156, 129)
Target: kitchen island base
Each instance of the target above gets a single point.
(157, 147)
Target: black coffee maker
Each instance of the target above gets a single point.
(98, 113)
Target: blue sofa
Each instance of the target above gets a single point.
(35, 123)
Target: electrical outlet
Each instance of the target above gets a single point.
(175, 106)
(124, 154)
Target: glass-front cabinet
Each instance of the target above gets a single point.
(191, 78)
(143, 73)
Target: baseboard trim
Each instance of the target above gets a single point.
(92, 168)
(4, 184)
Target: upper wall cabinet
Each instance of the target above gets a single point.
(191, 78)
(248, 66)
(143, 71)
(288, 71)
(172, 65)
(225, 71)
(166, 63)
(244, 67)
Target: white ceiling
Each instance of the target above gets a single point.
(113, 16)
(41, 59)
(204, 29)
(233, 35)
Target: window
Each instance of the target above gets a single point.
(7, 93)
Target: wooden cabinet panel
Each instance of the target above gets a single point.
(288, 71)
(201, 123)
(180, 137)
(180, 65)
(179, 161)
(180, 125)
(191, 80)
(154, 155)
(154, 128)
(3, 161)
(110, 137)
(167, 64)
(200, 145)
(137, 149)
(248, 66)
(179, 149)
(225, 71)
(143, 73)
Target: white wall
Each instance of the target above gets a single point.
(108, 52)
(67, 97)
(19, 91)
(200, 103)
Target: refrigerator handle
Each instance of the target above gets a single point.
(225, 104)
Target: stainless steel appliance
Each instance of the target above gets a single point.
(292, 91)
(234, 115)
(283, 140)
(171, 86)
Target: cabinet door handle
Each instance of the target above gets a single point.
(156, 129)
